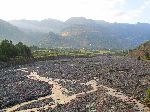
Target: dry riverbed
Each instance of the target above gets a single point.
(85, 84)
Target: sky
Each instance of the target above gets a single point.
(122, 11)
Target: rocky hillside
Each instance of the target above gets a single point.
(87, 33)
(141, 51)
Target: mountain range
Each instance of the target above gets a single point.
(76, 32)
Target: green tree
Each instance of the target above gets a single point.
(23, 50)
(8, 49)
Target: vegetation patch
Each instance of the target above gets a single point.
(147, 100)
(11, 52)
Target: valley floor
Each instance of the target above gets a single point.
(97, 84)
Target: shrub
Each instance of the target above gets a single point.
(139, 58)
(147, 56)
(147, 100)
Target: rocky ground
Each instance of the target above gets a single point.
(16, 88)
(126, 75)
(97, 101)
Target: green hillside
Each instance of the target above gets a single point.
(142, 51)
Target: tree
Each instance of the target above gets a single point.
(7, 49)
(23, 50)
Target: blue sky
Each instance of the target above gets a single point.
(141, 6)
(124, 11)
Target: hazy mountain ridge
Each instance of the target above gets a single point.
(78, 32)
(39, 26)
(8, 31)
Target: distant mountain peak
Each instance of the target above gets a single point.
(51, 20)
(78, 20)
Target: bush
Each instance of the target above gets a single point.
(147, 56)
(4, 58)
(147, 100)
(139, 58)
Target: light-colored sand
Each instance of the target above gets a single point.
(59, 97)
(128, 100)
(23, 70)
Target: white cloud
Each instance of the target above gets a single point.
(127, 16)
(108, 10)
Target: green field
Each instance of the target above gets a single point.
(68, 52)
